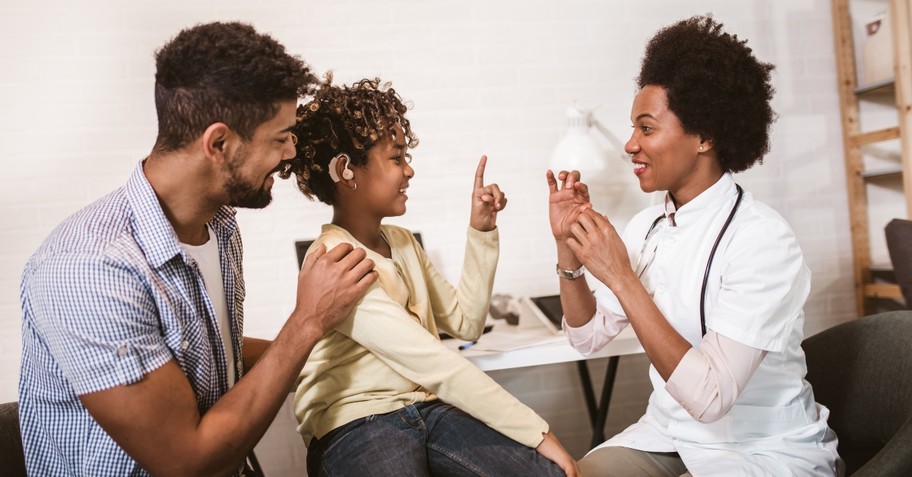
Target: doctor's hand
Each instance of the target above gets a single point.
(566, 203)
(594, 240)
(551, 449)
(487, 201)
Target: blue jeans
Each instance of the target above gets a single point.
(424, 439)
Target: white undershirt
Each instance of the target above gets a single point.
(207, 259)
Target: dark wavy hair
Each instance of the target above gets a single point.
(349, 119)
(222, 72)
(715, 86)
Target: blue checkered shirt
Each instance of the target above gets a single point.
(109, 297)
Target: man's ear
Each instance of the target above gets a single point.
(215, 141)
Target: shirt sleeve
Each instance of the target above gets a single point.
(461, 312)
(394, 336)
(385, 329)
(764, 284)
(709, 379)
(609, 320)
(597, 333)
(97, 319)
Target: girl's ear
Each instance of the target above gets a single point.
(705, 144)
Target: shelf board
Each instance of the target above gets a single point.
(882, 290)
(882, 172)
(884, 267)
(884, 86)
(880, 135)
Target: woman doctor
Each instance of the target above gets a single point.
(712, 281)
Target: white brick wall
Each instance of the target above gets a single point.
(76, 113)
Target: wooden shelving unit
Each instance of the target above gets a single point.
(867, 285)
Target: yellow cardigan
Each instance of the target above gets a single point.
(387, 354)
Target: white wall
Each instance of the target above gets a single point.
(494, 77)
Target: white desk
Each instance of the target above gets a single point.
(554, 348)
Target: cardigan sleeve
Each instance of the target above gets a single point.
(392, 334)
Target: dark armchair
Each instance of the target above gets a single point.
(12, 461)
(862, 371)
(899, 244)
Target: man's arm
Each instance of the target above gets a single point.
(253, 349)
(156, 420)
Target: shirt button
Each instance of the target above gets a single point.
(660, 289)
(671, 240)
(184, 345)
(122, 351)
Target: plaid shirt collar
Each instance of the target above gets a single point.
(149, 220)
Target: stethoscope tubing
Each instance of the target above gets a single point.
(712, 254)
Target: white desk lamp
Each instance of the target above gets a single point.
(579, 150)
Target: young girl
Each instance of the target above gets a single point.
(381, 395)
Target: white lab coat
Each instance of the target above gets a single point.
(757, 287)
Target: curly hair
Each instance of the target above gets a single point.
(715, 86)
(343, 119)
(222, 72)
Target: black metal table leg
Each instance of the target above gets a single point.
(598, 426)
(588, 392)
(598, 412)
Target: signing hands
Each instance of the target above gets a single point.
(487, 201)
(565, 204)
(596, 243)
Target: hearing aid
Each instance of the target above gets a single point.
(347, 173)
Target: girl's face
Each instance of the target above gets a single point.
(383, 181)
(664, 156)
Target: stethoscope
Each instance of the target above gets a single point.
(712, 254)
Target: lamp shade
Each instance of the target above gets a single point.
(577, 149)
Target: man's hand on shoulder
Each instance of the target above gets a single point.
(330, 283)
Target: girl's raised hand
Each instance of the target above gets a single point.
(487, 201)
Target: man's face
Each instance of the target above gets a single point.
(251, 167)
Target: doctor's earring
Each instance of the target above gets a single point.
(354, 185)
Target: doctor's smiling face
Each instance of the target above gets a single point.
(664, 156)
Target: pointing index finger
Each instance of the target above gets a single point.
(479, 172)
(552, 182)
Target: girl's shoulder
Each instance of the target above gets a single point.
(332, 235)
(396, 235)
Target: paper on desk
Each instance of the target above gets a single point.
(508, 340)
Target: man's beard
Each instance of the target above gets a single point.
(241, 193)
